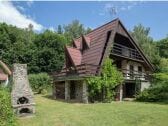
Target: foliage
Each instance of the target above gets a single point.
(141, 36)
(163, 47)
(75, 30)
(50, 52)
(106, 83)
(158, 92)
(59, 29)
(42, 52)
(40, 83)
(7, 117)
(163, 66)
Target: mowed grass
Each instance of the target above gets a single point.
(56, 113)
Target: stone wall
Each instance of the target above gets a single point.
(81, 94)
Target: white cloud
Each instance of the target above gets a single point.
(51, 29)
(21, 8)
(29, 3)
(108, 6)
(10, 15)
(116, 7)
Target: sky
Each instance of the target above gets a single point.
(48, 15)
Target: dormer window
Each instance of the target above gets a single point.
(85, 43)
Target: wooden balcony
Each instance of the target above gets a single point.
(83, 70)
(87, 70)
(125, 52)
(134, 75)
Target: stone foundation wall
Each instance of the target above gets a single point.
(81, 94)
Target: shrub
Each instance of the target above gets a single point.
(7, 117)
(158, 92)
(103, 86)
(40, 83)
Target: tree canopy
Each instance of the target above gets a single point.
(75, 30)
(42, 52)
(146, 43)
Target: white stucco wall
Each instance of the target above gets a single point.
(126, 64)
(145, 85)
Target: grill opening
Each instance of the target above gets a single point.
(22, 100)
(24, 111)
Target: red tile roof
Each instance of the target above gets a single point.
(96, 40)
(87, 40)
(75, 55)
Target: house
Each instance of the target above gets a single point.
(4, 73)
(87, 54)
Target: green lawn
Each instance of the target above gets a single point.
(56, 113)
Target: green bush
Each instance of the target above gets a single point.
(158, 92)
(7, 117)
(103, 87)
(40, 83)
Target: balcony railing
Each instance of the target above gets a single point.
(80, 70)
(86, 70)
(132, 75)
(124, 51)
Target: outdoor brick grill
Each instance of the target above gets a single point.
(22, 95)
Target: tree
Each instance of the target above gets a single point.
(49, 55)
(42, 52)
(59, 29)
(75, 30)
(141, 36)
(163, 47)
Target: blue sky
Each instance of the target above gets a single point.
(92, 14)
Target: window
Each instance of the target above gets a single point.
(140, 70)
(131, 71)
(131, 68)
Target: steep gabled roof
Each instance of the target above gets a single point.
(100, 41)
(86, 40)
(75, 55)
(136, 46)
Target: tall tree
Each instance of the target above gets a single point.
(42, 52)
(141, 36)
(50, 51)
(75, 30)
(163, 47)
(59, 29)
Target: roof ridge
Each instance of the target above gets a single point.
(116, 19)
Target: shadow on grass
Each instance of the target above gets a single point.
(61, 100)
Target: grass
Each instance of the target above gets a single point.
(56, 113)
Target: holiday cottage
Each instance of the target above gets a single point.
(86, 56)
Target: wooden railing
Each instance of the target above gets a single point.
(80, 70)
(86, 70)
(124, 51)
(132, 75)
